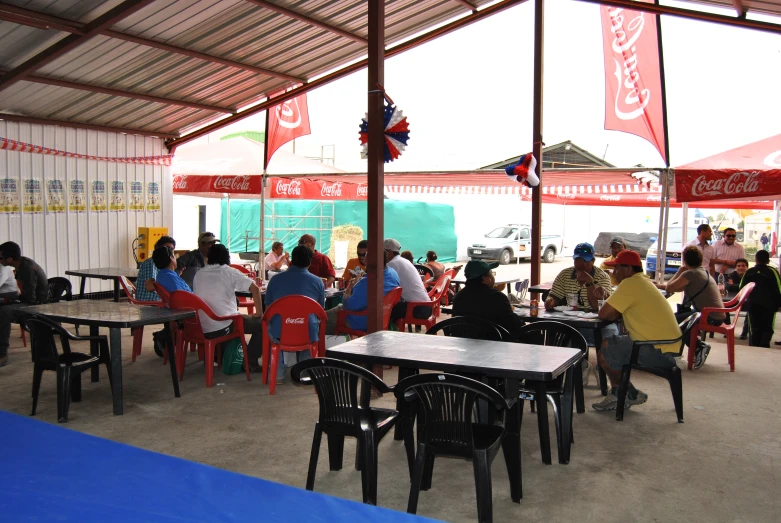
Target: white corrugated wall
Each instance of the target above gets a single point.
(70, 240)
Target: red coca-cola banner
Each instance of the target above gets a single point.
(248, 185)
(633, 83)
(286, 121)
(751, 171)
(640, 199)
(287, 188)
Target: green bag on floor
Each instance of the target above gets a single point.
(232, 357)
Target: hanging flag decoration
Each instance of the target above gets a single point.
(285, 122)
(396, 133)
(523, 171)
(13, 145)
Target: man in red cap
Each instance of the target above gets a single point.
(646, 316)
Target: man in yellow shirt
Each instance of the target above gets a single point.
(617, 244)
(647, 316)
(355, 265)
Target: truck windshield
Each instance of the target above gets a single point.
(502, 232)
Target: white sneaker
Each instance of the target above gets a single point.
(609, 402)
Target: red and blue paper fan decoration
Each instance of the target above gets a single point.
(396, 133)
(523, 171)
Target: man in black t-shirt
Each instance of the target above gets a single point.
(765, 299)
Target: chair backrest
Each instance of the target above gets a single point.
(447, 401)
(242, 269)
(440, 287)
(42, 344)
(686, 325)
(164, 295)
(451, 272)
(521, 287)
(470, 327)
(294, 311)
(741, 297)
(130, 292)
(184, 300)
(336, 383)
(388, 302)
(424, 271)
(60, 289)
(552, 334)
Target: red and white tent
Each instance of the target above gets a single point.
(748, 172)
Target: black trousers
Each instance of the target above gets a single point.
(760, 324)
(400, 311)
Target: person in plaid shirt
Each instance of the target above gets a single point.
(145, 291)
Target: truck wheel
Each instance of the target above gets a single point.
(549, 255)
(505, 257)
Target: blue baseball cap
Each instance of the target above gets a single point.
(585, 251)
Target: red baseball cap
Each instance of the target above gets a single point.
(628, 258)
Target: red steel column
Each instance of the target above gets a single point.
(539, 45)
(376, 167)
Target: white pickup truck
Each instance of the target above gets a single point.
(513, 241)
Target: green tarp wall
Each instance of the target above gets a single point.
(418, 226)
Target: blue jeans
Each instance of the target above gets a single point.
(288, 360)
(619, 352)
(607, 332)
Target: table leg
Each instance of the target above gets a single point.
(511, 444)
(600, 370)
(565, 416)
(116, 289)
(365, 401)
(82, 287)
(115, 346)
(172, 360)
(94, 350)
(541, 401)
(404, 372)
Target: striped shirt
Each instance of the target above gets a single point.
(566, 283)
(723, 251)
(707, 252)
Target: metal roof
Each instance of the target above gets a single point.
(166, 67)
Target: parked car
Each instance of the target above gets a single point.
(513, 241)
(674, 249)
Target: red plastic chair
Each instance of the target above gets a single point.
(733, 307)
(245, 302)
(293, 312)
(440, 288)
(165, 299)
(138, 332)
(388, 302)
(192, 332)
(451, 273)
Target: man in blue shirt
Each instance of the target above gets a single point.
(295, 280)
(356, 298)
(148, 271)
(166, 275)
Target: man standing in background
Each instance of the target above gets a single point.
(704, 234)
(726, 252)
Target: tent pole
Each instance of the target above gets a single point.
(776, 209)
(536, 225)
(661, 240)
(261, 239)
(229, 221)
(684, 222)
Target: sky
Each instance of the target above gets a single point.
(468, 95)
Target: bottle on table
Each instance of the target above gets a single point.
(722, 286)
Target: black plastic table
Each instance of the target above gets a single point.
(541, 288)
(115, 316)
(107, 273)
(511, 361)
(594, 324)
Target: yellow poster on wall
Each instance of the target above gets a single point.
(136, 196)
(9, 196)
(77, 201)
(55, 196)
(117, 202)
(98, 200)
(32, 198)
(152, 196)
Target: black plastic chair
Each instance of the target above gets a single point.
(60, 289)
(69, 365)
(446, 402)
(672, 374)
(336, 383)
(424, 271)
(470, 327)
(555, 334)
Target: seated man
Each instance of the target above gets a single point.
(356, 267)
(277, 259)
(167, 277)
(9, 290)
(321, 265)
(145, 291)
(217, 285)
(479, 298)
(412, 288)
(191, 262)
(356, 296)
(765, 299)
(34, 290)
(296, 280)
(733, 278)
(647, 316)
(590, 284)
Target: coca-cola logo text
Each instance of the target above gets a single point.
(565, 196)
(610, 198)
(232, 183)
(654, 198)
(290, 187)
(331, 189)
(631, 95)
(180, 183)
(288, 114)
(737, 184)
(363, 191)
(294, 321)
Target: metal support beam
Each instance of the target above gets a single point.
(72, 41)
(469, 5)
(89, 127)
(741, 11)
(376, 167)
(536, 228)
(309, 20)
(692, 15)
(348, 70)
(126, 94)
(19, 15)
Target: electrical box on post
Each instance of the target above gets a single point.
(147, 238)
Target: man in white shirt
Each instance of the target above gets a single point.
(412, 289)
(277, 259)
(9, 290)
(726, 251)
(217, 284)
(704, 234)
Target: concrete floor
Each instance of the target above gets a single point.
(723, 464)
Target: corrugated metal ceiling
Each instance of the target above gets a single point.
(125, 55)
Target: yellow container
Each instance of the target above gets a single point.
(147, 238)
